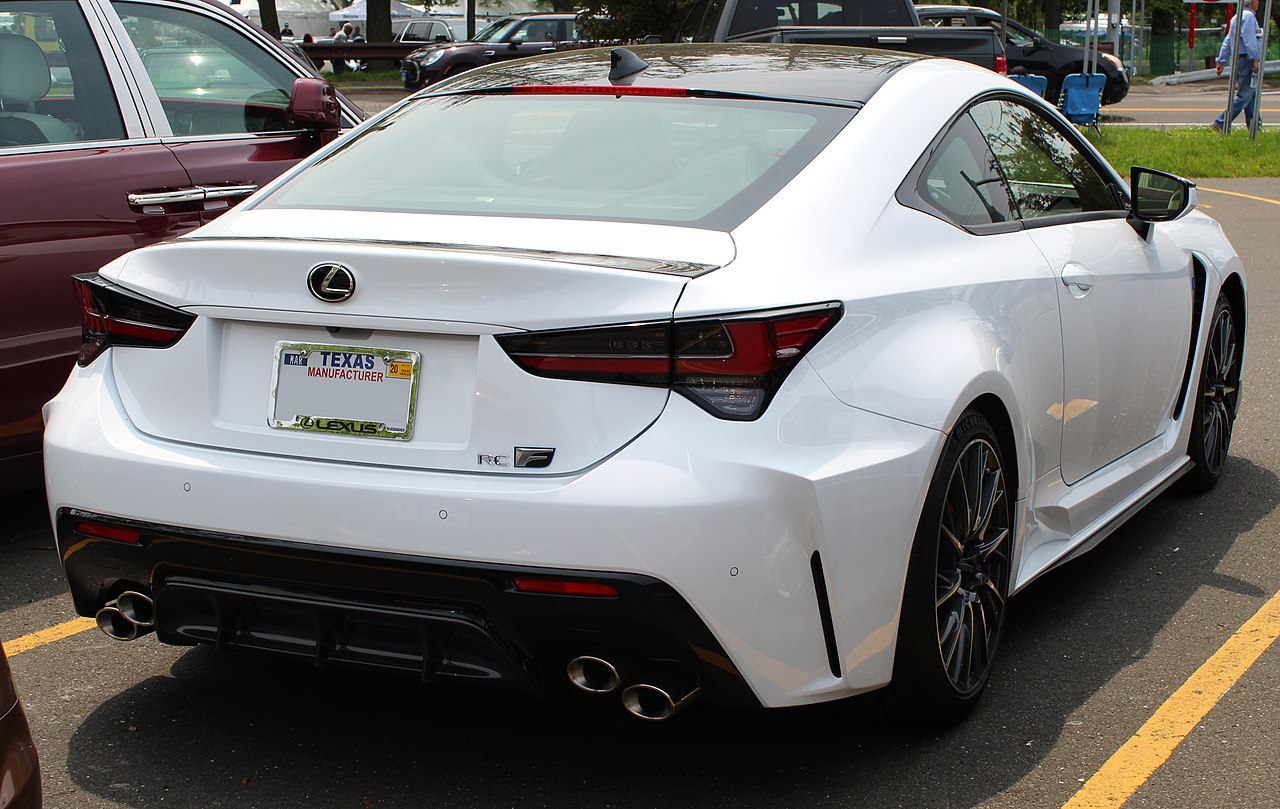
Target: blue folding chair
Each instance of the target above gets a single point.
(1082, 98)
(1034, 83)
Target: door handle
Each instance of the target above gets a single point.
(1079, 281)
(546, 50)
(197, 193)
(891, 40)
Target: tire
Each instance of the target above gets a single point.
(957, 586)
(1217, 398)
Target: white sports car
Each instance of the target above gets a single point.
(763, 372)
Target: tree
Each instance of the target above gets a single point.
(270, 20)
(378, 23)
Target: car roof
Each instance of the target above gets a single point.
(801, 72)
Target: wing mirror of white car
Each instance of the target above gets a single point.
(1158, 196)
(313, 105)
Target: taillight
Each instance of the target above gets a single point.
(598, 90)
(729, 366)
(113, 316)
(100, 530)
(1002, 64)
(564, 587)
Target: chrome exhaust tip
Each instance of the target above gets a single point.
(653, 703)
(593, 675)
(115, 624)
(138, 608)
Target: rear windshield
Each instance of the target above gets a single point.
(683, 161)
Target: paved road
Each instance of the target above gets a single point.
(1092, 652)
(1184, 105)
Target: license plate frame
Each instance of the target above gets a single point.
(355, 391)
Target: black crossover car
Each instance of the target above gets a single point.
(504, 38)
(1031, 51)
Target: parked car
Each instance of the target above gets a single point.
(887, 24)
(1032, 51)
(503, 39)
(428, 29)
(604, 399)
(19, 765)
(159, 117)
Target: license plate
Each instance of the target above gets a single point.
(345, 390)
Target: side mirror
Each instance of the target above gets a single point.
(313, 105)
(1158, 196)
(441, 38)
(516, 42)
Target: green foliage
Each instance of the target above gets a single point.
(636, 19)
(1191, 152)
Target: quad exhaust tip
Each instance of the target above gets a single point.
(593, 675)
(130, 616)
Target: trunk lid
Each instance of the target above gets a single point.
(416, 335)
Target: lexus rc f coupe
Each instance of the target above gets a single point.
(766, 373)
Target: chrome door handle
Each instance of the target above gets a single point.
(891, 40)
(137, 200)
(229, 190)
(198, 193)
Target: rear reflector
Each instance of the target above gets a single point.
(112, 315)
(598, 90)
(564, 587)
(729, 366)
(103, 531)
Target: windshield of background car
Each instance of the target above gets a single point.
(683, 161)
(496, 30)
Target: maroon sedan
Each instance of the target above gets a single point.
(123, 123)
(19, 770)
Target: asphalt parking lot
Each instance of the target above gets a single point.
(1125, 676)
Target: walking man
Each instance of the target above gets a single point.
(1246, 63)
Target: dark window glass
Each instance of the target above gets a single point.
(962, 180)
(54, 88)
(705, 162)
(210, 78)
(1048, 175)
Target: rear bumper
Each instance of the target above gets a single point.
(438, 620)
(755, 528)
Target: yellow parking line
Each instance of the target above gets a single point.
(46, 636)
(1238, 194)
(1155, 741)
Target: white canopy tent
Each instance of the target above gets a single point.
(303, 16)
(358, 12)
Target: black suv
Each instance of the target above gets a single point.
(1029, 50)
(504, 38)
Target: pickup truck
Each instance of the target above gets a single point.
(885, 24)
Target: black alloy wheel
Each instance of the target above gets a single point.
(957, 586)
(1217, 400)
(972, 566)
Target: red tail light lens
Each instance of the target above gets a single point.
(1002, 64)
(103, 531)
(564, 587)
(598, 90)
(730, 366)
(111, 315)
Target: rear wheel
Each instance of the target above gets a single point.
(1218, 396)
(954, 602)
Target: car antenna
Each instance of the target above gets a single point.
(624, 66)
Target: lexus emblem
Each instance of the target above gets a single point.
(331, 283)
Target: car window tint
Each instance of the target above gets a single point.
(210, 78)
(709, 162)
(54, 87)
(1047, 174)
(962, 180)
